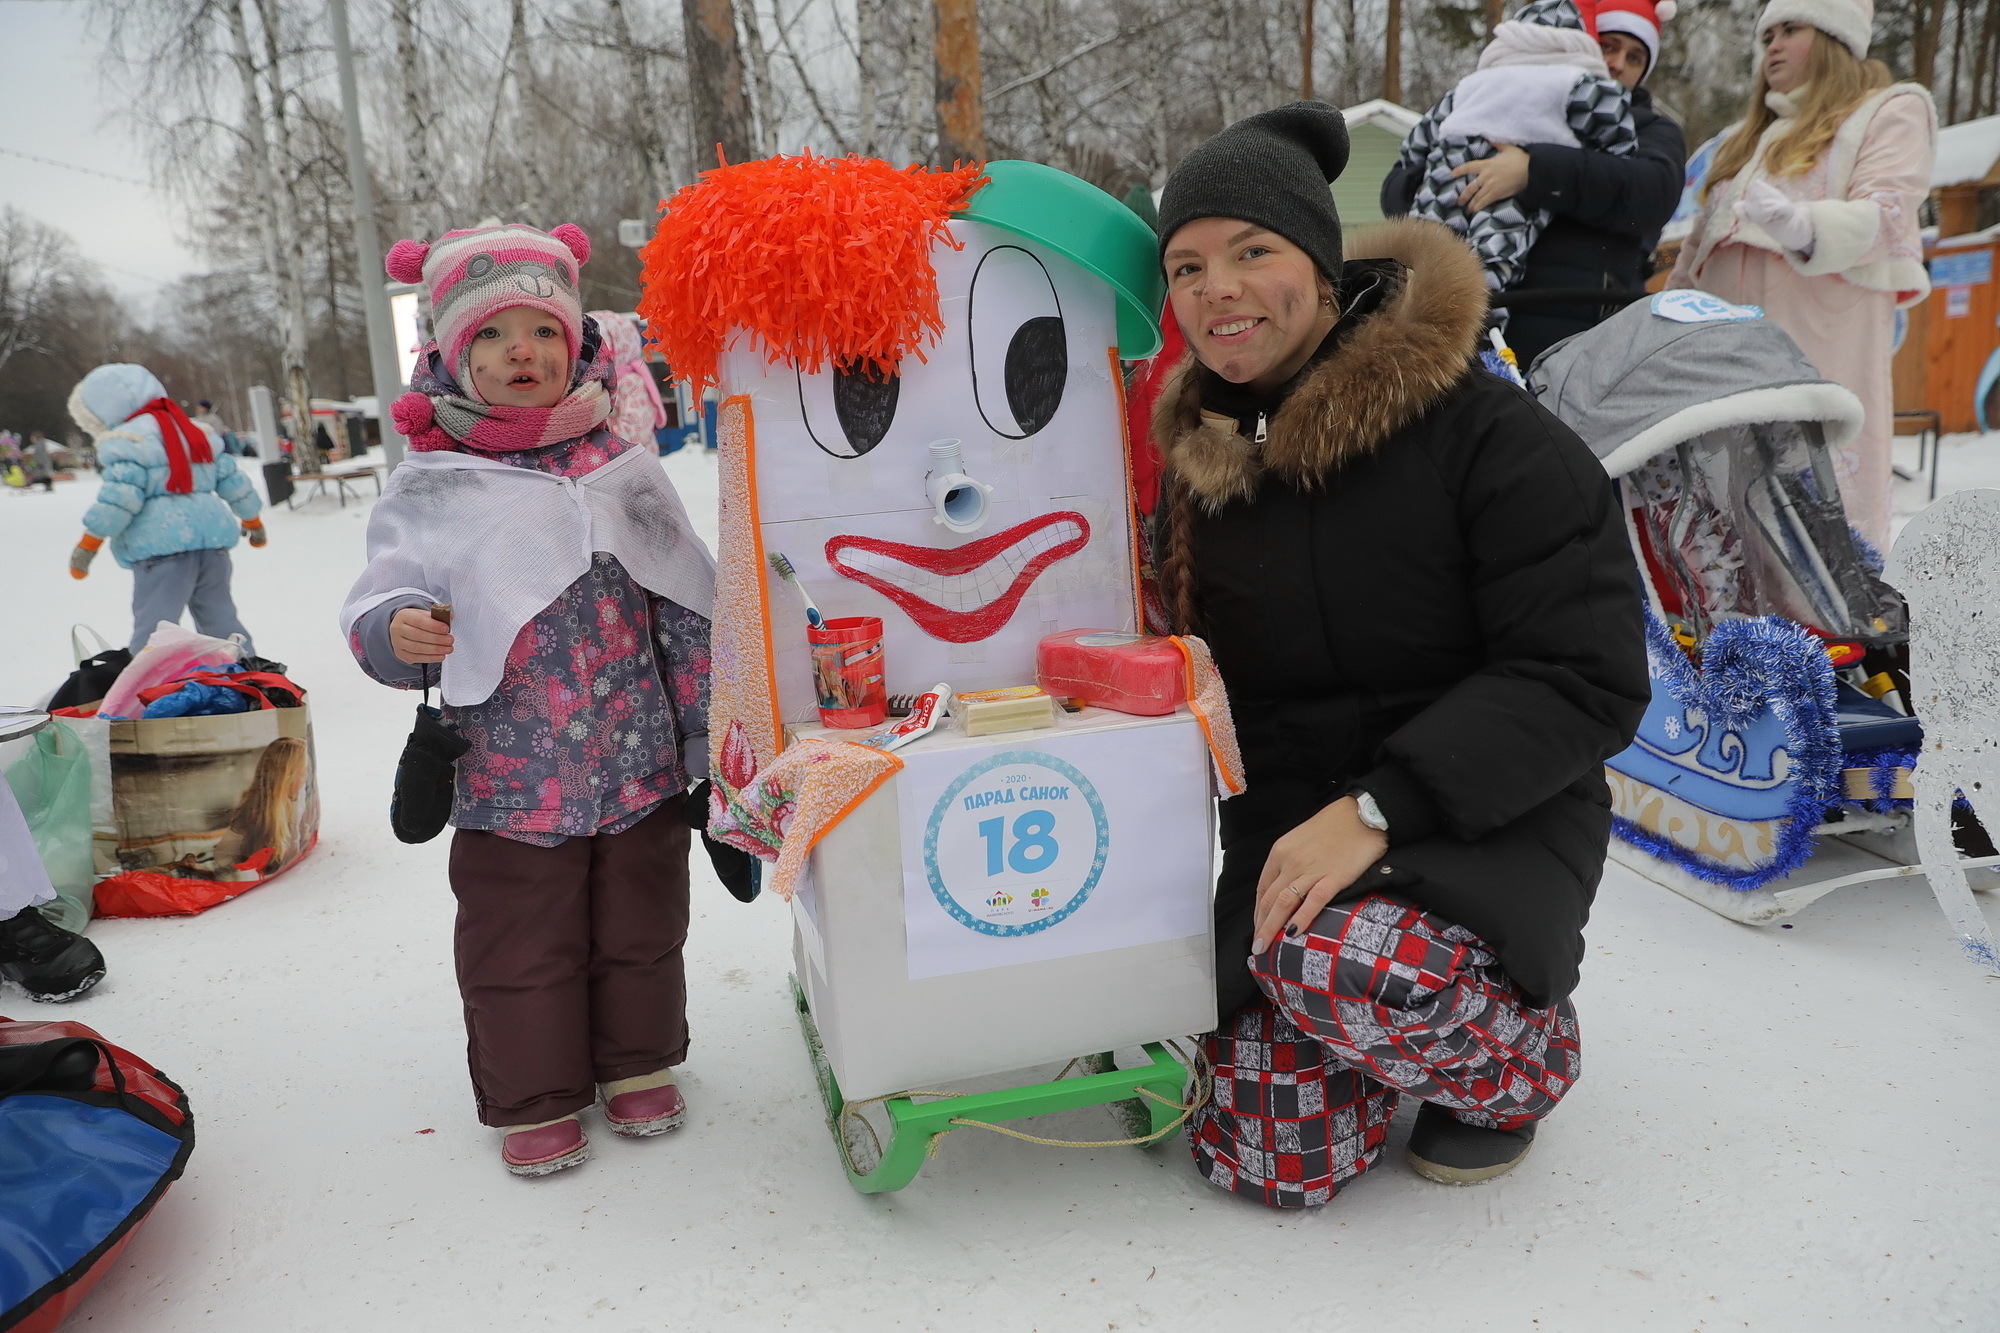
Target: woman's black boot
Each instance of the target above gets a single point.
(1451, 1152)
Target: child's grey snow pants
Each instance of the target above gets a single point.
(569, 963)
(196, 581)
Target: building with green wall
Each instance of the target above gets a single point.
(1375, 132)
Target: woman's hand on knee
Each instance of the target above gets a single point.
(416, 637)
(1311, 864)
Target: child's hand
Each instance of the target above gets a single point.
(417, 638)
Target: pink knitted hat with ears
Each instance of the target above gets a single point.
(474, 275)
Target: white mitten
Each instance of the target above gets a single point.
(1789, 224)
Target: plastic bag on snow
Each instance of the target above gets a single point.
(171, 653)
(52, 783)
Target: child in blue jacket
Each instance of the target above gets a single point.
(171, 503)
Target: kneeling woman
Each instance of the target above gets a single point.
(1423, 605)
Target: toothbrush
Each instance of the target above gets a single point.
(785, 571)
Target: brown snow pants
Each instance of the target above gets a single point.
(569, 963)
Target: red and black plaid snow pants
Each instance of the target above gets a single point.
(1377, 999)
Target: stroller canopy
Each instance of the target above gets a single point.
(1661, 372)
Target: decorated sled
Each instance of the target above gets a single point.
(921, 430)
(1776, 761)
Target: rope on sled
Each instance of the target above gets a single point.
(1196, 1060)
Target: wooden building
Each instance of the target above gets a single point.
(1949, 342)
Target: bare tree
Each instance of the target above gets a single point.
(961, 121)
(34, 260)
(720, 108)
(424, 207)
(649, 138)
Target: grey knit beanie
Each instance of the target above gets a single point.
(1272, 169)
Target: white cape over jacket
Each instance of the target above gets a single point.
(500, 543)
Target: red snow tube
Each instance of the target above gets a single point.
(90, 1137)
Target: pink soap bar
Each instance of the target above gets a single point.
(1127, 673)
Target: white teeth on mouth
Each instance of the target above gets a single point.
(973, 589)
(1224, 330)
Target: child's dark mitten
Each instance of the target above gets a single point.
(738, 870)
(422, 800)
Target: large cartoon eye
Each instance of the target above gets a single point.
(1020, 356)
(848, 412)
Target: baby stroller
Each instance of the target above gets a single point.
(1774, 764)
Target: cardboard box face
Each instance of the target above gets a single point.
(924, 949)
(1023, 378)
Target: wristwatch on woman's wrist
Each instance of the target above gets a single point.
(1370, 812)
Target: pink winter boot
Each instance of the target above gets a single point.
(538, 1150)
(642, 1106)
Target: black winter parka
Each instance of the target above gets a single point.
(1418, 586)
(1607, 215)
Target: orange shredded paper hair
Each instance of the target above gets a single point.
(823, 259)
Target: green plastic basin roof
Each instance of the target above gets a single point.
(1082, 223)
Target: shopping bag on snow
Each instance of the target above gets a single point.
(51, 780)
(203, 808)
(91, 1137)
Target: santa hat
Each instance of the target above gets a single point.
(1846, 21)
(1636, 18)
(474, 275)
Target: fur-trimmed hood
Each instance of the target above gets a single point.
(108, 396)
(1394, 367)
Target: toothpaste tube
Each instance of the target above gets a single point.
(924, 716)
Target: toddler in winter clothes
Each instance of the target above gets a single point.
(171, 503)
(1541, 80)
(574, 663)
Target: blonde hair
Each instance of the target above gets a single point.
(1837, 82)
(265, 816)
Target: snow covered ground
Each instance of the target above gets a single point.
(1778, 1128)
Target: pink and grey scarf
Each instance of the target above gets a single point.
(438, 414)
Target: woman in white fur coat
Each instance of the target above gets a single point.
(1810, 211)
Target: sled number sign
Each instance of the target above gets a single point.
(1034, 849)
(1001, 869)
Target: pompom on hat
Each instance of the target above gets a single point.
(1849, 22)
(475, 274)
(1640, 19)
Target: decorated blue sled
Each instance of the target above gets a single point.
(1774, 763)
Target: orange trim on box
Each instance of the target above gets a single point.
(741, 403)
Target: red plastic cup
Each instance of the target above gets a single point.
(847, 672)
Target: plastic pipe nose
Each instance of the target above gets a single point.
(960, 500)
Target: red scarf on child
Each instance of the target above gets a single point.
(182, 439)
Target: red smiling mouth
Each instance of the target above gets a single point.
(961, 594)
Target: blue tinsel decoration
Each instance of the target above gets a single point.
(1882, 780)
(1748, 666)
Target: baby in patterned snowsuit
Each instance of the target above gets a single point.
(586, 719)
(1542, 80)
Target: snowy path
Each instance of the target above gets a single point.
(1777, 1128)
